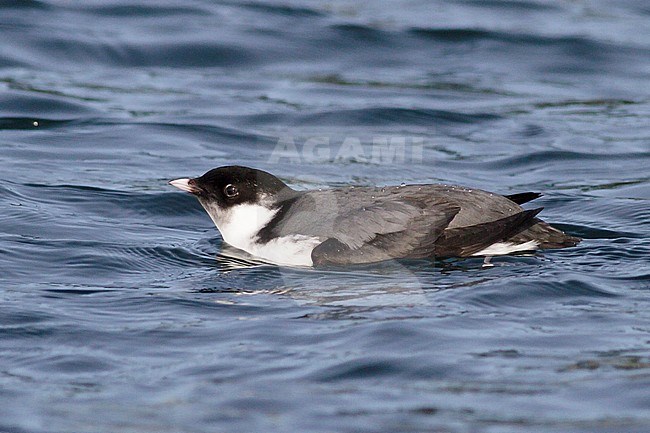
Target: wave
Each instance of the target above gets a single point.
(374, 116)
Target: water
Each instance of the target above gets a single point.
(121, 311)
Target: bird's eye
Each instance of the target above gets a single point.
(231, 191)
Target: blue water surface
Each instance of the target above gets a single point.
(122, 310)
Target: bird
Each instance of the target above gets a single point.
(258, 213)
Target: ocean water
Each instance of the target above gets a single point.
(122, 310)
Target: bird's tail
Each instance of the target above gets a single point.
(546, 235)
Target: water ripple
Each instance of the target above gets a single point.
(376, 116)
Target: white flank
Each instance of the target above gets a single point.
(294, 250)
(503, 248)
(240, 224)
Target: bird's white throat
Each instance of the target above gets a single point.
(240, 224)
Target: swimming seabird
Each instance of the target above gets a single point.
(258, 213)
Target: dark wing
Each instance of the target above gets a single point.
(412, 217)
(465, 241)
(369, 224)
